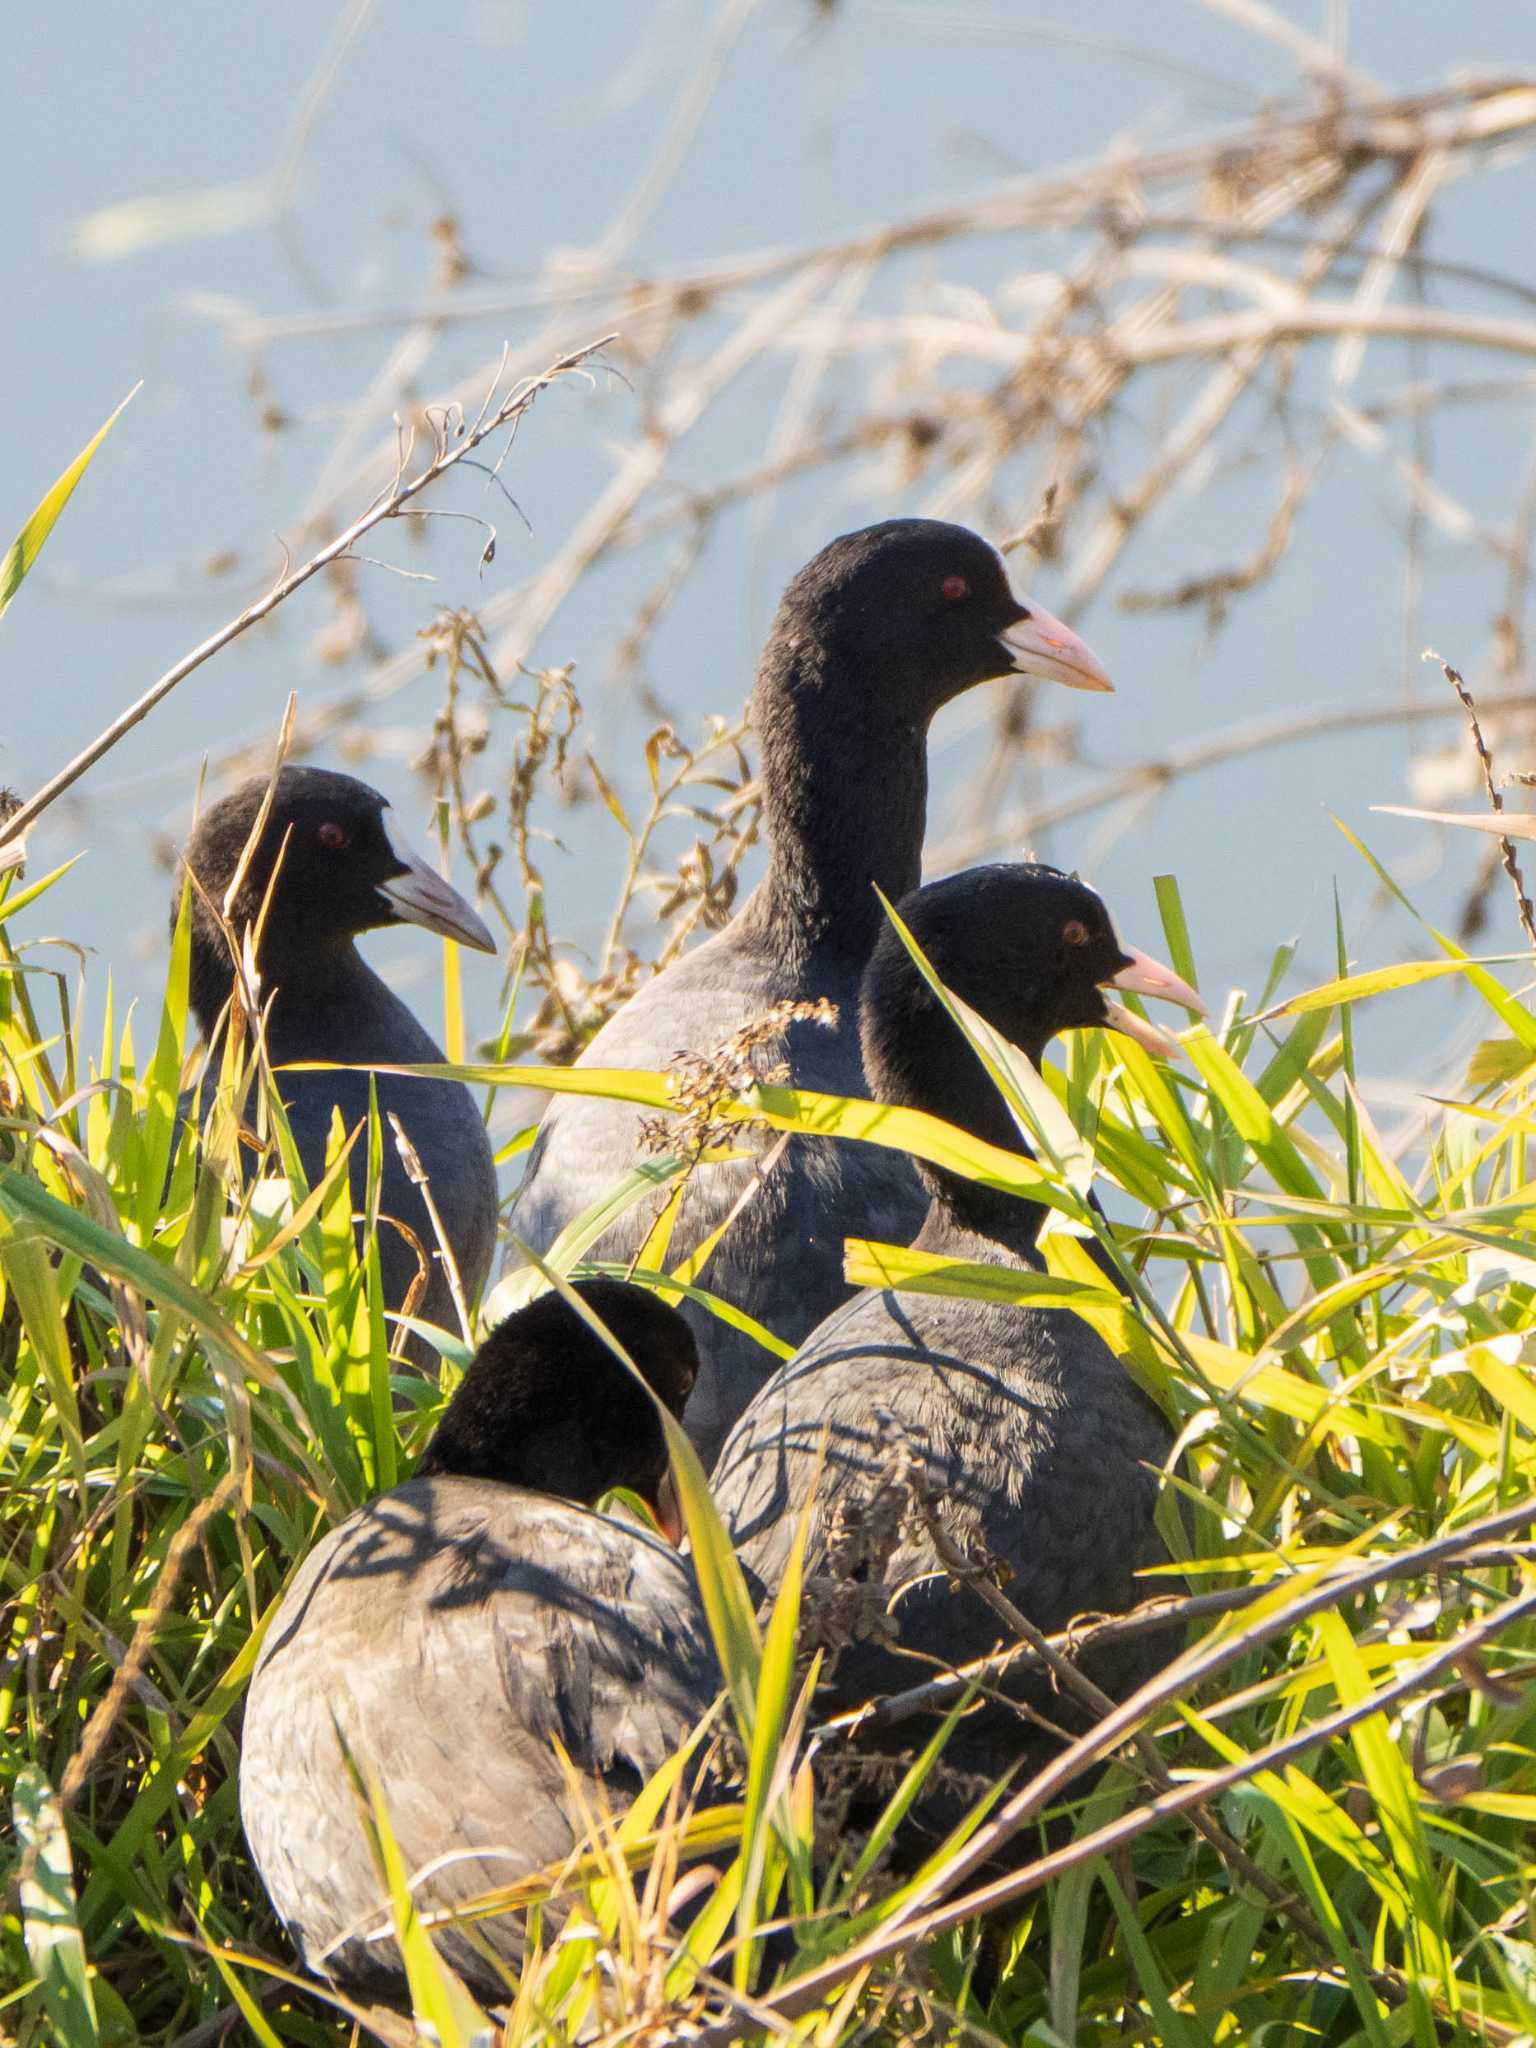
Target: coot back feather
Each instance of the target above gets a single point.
(456, 1629)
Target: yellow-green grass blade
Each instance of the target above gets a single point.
(438, 1996)
(1498, 998)
(572, 1243)
(672, 1289)
(24, 549)
(22, 1200)
(25, 898)
(1393, 1797)
(801, 1110)
(775, 1685)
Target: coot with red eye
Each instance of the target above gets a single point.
(342, 868)
(872, 638)
(1029, 1434)
(457, 1629)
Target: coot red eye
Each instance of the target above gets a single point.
(1075, 932)
(956, 587)
(332, 834)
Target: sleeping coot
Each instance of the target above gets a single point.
(1028, 1432)
(872, 638)
(458, 1627)
(344, 869)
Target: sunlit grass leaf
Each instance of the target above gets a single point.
(670, 1288)
(453, 1000)
(49, 1916)
(1170, 906)
(255, 2019)
(1376, 981)
(23, 550)
(1175, 2029)
(438, 1995)
(1515, 1015)
(33, 1283)
(22, 1200)
(571, 1245)
(1498, 1061)
(1394, 1798)
(23, 899)
(868, 1264)
(784, 1109)
(775, 1683)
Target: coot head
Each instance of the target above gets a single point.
(926, 608)
(1029, 948)
(341, 865)
(546, 1405)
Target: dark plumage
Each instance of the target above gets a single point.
(344, 870)
(1026, 1429)
(872, 638)
(460, 1625)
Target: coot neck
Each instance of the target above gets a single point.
(310, 988)
(967, 1220)
(956, 1086)
(845, 795)
(999, 1230)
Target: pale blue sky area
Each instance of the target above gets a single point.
(531, 123)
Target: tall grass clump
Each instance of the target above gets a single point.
(1315, 1824)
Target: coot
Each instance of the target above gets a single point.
(342, 868)
(1021, 1425)
(871, 639)
(455, 1630)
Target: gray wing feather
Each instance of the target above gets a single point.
(1036, 1444)
(782, 1259)
(451, 1634)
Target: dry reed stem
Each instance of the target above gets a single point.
(1495, 798)
(387, 506)
(1067, 354)
(910, 1925)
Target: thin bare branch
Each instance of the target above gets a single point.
(517, 401)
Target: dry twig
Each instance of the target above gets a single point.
(388, 504)
(1495, 799)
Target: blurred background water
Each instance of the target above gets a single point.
(293, 294)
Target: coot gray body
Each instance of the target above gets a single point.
(343, 869)
(453, 1631)
(872, 638)
(1028, 1434)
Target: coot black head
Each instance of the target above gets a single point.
(925, 610)
(546, 1405)
(872, 637)
(1029, 948)
(342, 868)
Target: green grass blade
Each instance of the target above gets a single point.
(23, 550)
(48, 1910)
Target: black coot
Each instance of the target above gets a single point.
(872, 638)
(457, 1628)
(344, 869)
(1028, 1432)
